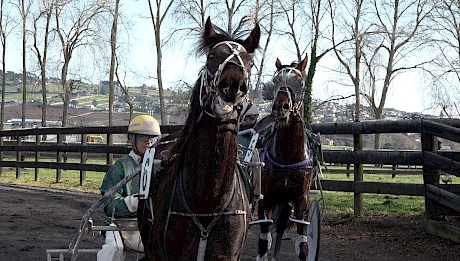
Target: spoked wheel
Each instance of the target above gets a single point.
(313, 231)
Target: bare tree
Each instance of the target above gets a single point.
(5, 30)
(24, 9)
(350, 57)
(394, 40)
(125, 91)
(80, 32)
(157, 16)
(305, 27)
(445, 69)
(266, 18)
(45, 12)
(113, 47)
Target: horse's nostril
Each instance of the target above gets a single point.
(286, 107)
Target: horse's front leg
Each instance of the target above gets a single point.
(301, 211)
(281, 225)
(265, 238)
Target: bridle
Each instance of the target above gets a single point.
(210, 81)
(285, 73)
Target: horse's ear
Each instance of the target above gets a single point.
(209, 29)
(252, 42)
(278, 64)
(303, 64)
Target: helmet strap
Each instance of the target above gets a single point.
(132, 138)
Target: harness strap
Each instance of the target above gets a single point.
(204, 231)
(298, 165)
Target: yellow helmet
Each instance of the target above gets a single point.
(145, 125)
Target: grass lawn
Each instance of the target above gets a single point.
(70, 179)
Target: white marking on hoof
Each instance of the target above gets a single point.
(262, 258)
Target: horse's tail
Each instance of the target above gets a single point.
(280, 217)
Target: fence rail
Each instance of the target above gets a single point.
(440, 200)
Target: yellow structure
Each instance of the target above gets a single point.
(94, 139)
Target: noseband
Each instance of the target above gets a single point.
(210, 81)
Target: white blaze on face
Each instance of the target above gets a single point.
(222, 107)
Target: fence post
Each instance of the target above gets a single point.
(37, 157)
(1, 155)
(358, 175)
(109, 155)
(430, 174)
(393, 171)
(83, 157)
(59, 158)
(18, 156)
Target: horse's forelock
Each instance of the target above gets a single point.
(208, 42)
(295, 83)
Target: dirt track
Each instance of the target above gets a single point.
(34, 220)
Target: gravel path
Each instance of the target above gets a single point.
(36, 219)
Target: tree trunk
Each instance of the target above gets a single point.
(24, 67)
(113, 46)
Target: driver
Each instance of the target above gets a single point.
(251, 116)
(143, 131)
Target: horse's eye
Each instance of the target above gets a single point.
(210, 57)
(244, 88)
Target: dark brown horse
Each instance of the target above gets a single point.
(200, 206)
(288, 171)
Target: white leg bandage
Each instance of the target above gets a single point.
(268, 237)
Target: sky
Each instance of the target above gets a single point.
(406, 94)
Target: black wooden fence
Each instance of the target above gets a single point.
(441, 199)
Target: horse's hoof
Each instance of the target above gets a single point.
(303, 251)
(262, 258)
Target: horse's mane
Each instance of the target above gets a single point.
(191, 121)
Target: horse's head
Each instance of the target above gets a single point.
(289, 87)
(226, 78)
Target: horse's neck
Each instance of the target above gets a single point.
(210, 164)
(289, 145)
